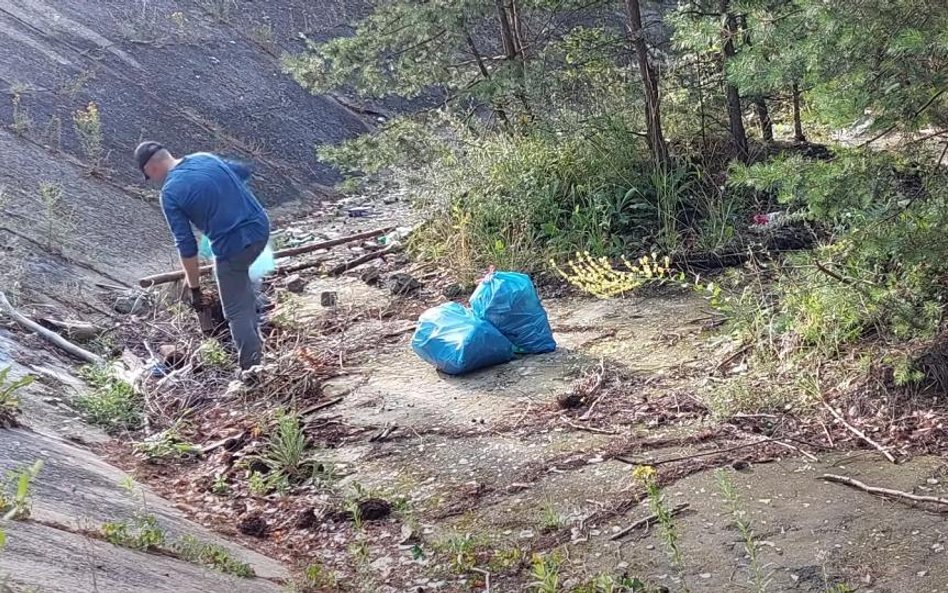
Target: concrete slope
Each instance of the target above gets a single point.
(176, 71)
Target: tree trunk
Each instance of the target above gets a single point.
(513, 47)
(797, 123)
(498, 109)
(734, 111)
(763, 118)
(760, 105)
(653, 116)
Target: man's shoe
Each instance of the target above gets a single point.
(252, 376)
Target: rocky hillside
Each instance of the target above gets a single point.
(196, 74)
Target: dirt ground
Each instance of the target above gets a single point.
(489, 469)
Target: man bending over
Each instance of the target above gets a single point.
(211, 194)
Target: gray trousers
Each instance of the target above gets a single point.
(239, 300)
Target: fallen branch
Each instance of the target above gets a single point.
(886, 492)
(650, 519)
(48, 335)
(595, 388)
(346, 266)
(486, 578)
(809, 456)
(166, 277)
(588, 428)
(859, 433)
(318, 407)
(693, 456)
(381, 436)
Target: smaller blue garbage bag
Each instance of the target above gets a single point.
(456, 342)
(264, 265)
(509, 301)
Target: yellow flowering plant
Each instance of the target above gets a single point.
(598, 277)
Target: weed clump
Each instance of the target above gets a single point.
(9, 400)
(211, 555)
(112, 403)
(89, 131)
(15, 500)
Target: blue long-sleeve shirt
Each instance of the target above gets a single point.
(212, 194)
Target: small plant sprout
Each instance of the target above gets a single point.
(287, 455)
(15, 499)
(550, 519)
(22, 122)
(166, 444)
(735, 507)
(546, 573)
(89, 131)
(141, 533)
(647, 476)
(211, 555)
(9, 400)
(214, 355)
(111, 403)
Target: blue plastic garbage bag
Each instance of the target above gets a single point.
(509, 301)
(456, 342)
(264, 265)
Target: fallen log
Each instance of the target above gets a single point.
(46, 334)
(167, 277)
(76, 330)
(346, 266)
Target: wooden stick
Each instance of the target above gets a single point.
(48, 335)
(599, 378)
(695, 455)
(486, 578)
(381, 436)
(888, 492)
(318, 407)
(651, 518)
(809, 456)
(346, 266)
(283, 253)
(859, 433)
(588, 428)
(166, 277)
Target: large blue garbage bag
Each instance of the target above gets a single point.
(509, 301)
(264, 265)
(456, 342)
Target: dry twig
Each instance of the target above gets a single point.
(646, 521)
(859, 433)
(885, 492)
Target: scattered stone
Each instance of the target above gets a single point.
(525, 534)
(328, 298)
(294, 283)
(131, 303)
(705, 575)
(253, 525)
(257, 466)
(402, 284)
(453, 291)
(173, 356)
(371, 276)
(570, 400)
(374, 509)
(409, 536)
(389, 200)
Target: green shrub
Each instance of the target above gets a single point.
(111, 403)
